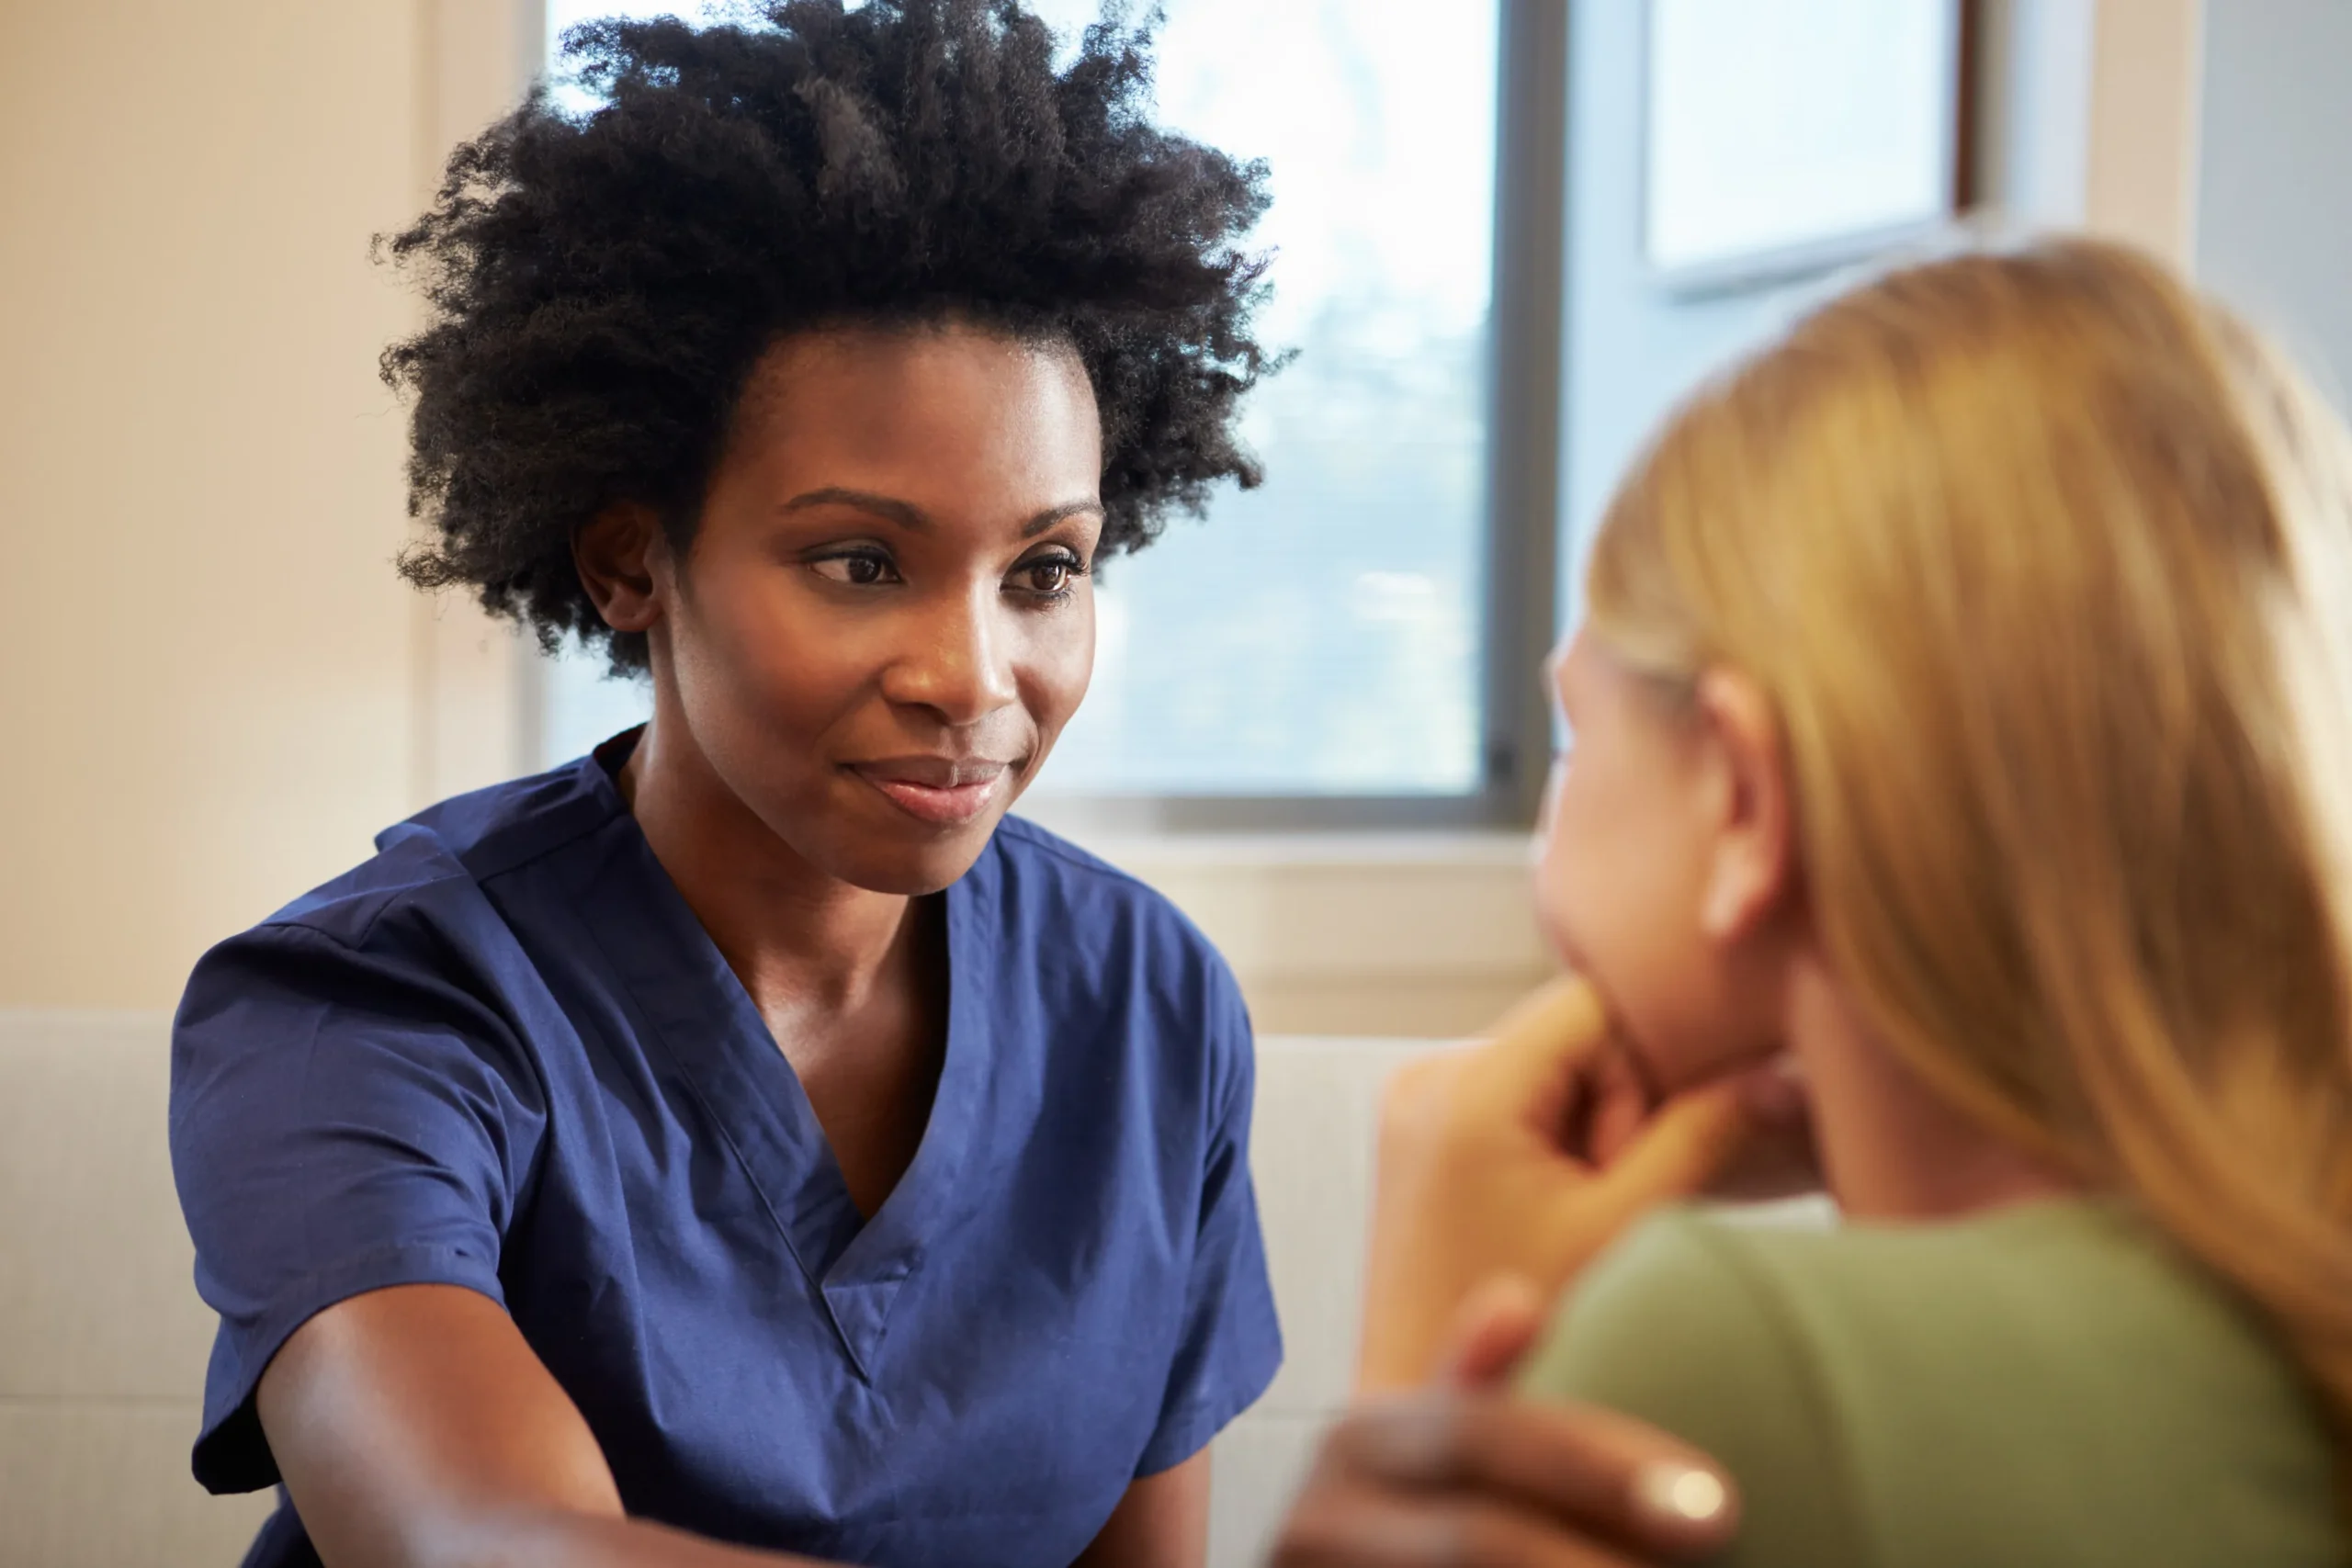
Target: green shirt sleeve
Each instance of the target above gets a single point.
(1672, 1326)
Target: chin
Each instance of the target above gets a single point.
(909, 864)
(1694, 1059)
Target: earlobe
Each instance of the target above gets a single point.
(619, 556)
(1752, 867)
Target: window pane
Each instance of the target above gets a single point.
(1777, 128)
(1321, 635)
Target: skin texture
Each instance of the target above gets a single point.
(1657, 842)
(888, 579)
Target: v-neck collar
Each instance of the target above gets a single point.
(707, 1023)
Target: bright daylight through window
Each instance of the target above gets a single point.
(1321, 636)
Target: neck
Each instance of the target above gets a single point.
(1890, 1148)
(794, 934)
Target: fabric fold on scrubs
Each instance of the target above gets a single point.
(502, 1056)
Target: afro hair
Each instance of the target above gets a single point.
(602, 282)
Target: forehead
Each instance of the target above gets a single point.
(946, 397)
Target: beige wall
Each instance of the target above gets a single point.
(2141, 182)
(207, 703)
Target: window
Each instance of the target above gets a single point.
(1353, 642)
(1783, 139)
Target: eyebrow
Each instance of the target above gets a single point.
(914, 518)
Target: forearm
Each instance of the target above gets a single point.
(415, 1428)
(541, 1537)
(1162, 1522)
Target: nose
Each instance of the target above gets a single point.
(957, 660)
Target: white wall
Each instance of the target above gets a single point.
(2274, 192)
(2085, 119)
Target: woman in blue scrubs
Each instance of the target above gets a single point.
(748, 1139)
(746, 1128)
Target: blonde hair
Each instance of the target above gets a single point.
(2046, 565)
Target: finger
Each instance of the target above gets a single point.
(1493, 1330)
(1546, 1036)
(1692, 1141)
(1416, 1087)
(1618, 1103)
(1374, 1530)
(1628, 1485)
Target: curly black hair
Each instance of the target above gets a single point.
(602, 283)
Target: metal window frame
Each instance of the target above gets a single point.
(1522, 501)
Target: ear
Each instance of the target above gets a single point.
(1751, 867)
(623, 559)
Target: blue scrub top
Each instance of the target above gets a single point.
(503, 1055)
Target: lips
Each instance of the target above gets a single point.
(942, 792)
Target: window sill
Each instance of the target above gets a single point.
(1427, 934)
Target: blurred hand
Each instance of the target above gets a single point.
(1526, 1154)
(1459, 1475)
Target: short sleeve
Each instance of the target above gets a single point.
(1231, 1344)
(1673, 1328)
(343, 1119)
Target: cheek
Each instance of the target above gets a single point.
(762, 678)
(1585, 893)
(1618, 899)
(1057, 666)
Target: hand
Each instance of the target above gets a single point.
(1459, 1475)
(1525, 1154)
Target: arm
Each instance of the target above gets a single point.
(1162, 1522)
(415, 1429)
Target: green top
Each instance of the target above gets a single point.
(2046, 1385)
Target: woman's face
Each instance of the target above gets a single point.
(885, 618)
(1656, 879)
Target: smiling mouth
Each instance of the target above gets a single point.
(937, 791)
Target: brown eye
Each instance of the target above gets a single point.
(864, 568)
(1048, 577)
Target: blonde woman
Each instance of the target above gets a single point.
(1962, 709)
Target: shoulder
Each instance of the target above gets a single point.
(1682, 1301)
(408, 934)
(429, 869)
(1042, 887)
(1683, 1324)
(1097, 948)
(1045, 861)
